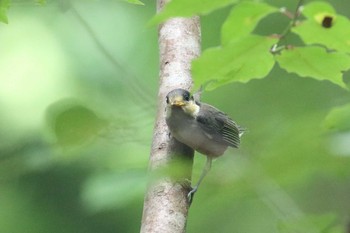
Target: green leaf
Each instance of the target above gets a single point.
(243, 19)
(41, 2)
(4, 6)
(187, 8)
(338, 119)
(315, 62)
(240, 61)
(136, 2)
(72, 123)
(311, 31)
(315, 8)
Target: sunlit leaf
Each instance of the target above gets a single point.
(137, 2)
(338, 118)
(315, 62)
(4, 6)
(243, 19)
(187, 8)
(41, 2)
(315, 9)
(240, 61)
(324, 27)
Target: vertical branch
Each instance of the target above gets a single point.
(166, 205)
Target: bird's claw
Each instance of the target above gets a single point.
(190, 194)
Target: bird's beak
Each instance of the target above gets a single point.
(177, 101)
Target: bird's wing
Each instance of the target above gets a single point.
(220, 126)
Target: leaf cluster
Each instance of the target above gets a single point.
(245, 55)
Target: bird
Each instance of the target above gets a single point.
(200, 126)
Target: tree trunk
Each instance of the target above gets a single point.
(166, 204)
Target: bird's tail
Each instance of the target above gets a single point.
(241, 130)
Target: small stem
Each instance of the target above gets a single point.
(276, 48)
(294, 20)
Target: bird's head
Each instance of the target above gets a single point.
(181, 98)
(178, 98)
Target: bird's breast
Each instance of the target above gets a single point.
(187, 130)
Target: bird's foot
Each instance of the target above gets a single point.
(186, 183)
(191, 193)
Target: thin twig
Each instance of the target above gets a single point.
(293, 21)
(276, 48)
(129, 79)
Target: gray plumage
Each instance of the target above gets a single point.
(226, 130)
(200, 126)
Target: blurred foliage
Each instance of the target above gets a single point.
(4, 5)
(137, 2)
(338, 119)
(72, 123)
(78, 87)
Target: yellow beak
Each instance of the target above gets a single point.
(178, 101)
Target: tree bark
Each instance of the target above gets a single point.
(166, 204)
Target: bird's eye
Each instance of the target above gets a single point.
(167, 99)
(187, 97)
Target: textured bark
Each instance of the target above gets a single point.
(166, 205)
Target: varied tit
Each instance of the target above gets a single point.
(200, 126)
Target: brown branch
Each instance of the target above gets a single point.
(166, 205)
